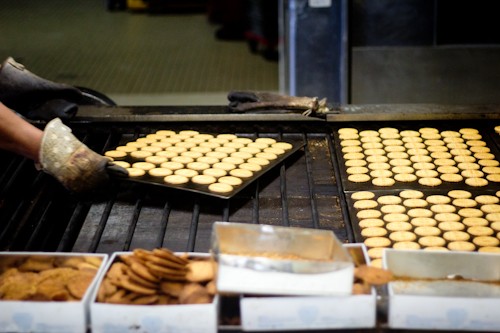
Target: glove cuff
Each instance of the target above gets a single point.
(70, 161)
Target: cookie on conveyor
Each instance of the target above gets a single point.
(203, 179)
(220, 188)
(176, 179)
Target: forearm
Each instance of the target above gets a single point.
(18, 135)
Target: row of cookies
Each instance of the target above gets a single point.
(456, 220)
(387, 155)
(220, 162)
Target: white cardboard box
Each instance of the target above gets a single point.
(326, 270)
(117, 318)
(309, 312)
(433, 301)
(53, 317)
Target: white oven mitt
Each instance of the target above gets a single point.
(71, 162)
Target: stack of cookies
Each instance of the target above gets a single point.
(158, 277)
(427, 156)
(46, 278)
(409, 219)
(219, 163)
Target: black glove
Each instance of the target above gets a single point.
(247, 101)
(71, 162)
(33, 96)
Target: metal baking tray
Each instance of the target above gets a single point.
(203, 189)
(488, 136)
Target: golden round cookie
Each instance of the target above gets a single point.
(424, 166)
(230, 180)
(441, 155)
(370, 152)
(419, 212)
(456, 236)
(415, 145)
(459, 194)
(203, 179)
(210, 145)
(486, 241)
(134, 172)
(475, 221)
(480, 149)
(493, 178)
(226, 136)
(167, 154)
(278, 151)
(348, 143)
(395, 217)
(399, 226)
(434, 142)
(427, 231)
(488, 163)
(159, 172)
(122, 164)
(377, 242)
(470, 212)
(394, 149)
(188, 133)
(451, 217)
(365, 204)
(389, 200)
(403, 170)
(427, 173)
(486, 199)
(368, 133)
(484, 156)
(258, 160)
(412, 139)
(379, 166)
(448, 169)
(437, 149)
(468, 130)
(140, 155)
(258, 145)
(411, 194)
(246, 141)
(217, 154)
(182, 159)
(176, 179)
(143, 165)
(243, 155)
(383, 181)
(233, 160)
(193, 154)
(491, 208)
(443, 208)
(473, 137)
(370, 223)
(373, 232)
(476, 182)
(390, 209)
(493, 217)
(165, 133)
(431, 136)
(208, 160)
(267, 156)
(392, 142)
(418, 151)
(489, 249)
(414, 203)
(250, 166)
(438, 199)
(156, 160)
(172, 165)
(368, 214)
(220, 188)
(405, 177)
(347, 130)
(356, 170)
(362, 195)
(394, 155)
(450, 134)
(491, 170)
(470, 162)
(409, 245)
(402, 236)
(204, 136)
(115, 154)
(431, 241)
(370, 139)
(420, 159)
(430, 181)
(282, 145)
(480, 231)
(400, 162)
(372, 145)
(214, 172)
(461, 246)
(229, 150)
(376, 252)
(348, 136)
(185, 172)
(241, 173)
(409, 133)
(172, 140)
(468, 166)
(377, 159)
(380, 174)
(224, 166)
(355, 163)
(358, 178)
(465, 203)
(451, 226)
(451, 177)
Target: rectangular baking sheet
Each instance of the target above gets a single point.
(485, 131)
(203, 189)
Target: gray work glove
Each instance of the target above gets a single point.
(248, 101)
(35, 97)
(71, 162)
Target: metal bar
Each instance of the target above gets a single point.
(194, 226)
(164, 223)
(133, 223)
(310, 182)
(102, 224)
(255, 215)
(74, 225)
(284, 197)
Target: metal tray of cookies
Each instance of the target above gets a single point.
(423, 156)
(194, 153)
(454, 220)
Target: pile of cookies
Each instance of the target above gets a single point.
(219, 162)
(158, 277)
(46, 278)
(426, 155)
(408, 219)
